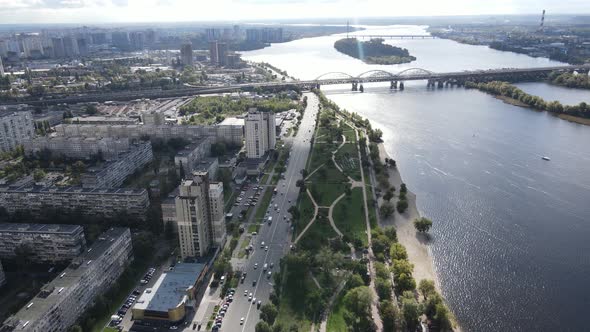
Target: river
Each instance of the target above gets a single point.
(510, 230)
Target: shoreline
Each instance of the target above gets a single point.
(416, 244)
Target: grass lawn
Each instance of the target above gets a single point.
(306, 209)
(336, 322)
(253, 228)
(110, 329)
(242, 249)
(320, 154)
(348, 132)
(288, 317)
(372, 207)
(347, 158)
(264, 202)
(349, 216)
(319, 232)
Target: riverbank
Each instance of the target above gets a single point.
(567, 117)
(416, 244)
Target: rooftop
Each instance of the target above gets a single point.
(40, 228)
(232, 122)
(170, 290)
(60, 286)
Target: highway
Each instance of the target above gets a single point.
(277, 235)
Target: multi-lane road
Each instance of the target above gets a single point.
(277, 235)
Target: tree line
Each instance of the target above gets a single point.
(510, 91)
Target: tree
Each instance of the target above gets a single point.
(268, 313)
(398, 252)
(358, 301)
(301, 184)
(389, 314)
(355, 281)
(383, 288)
(388, 195)
(38, 175)
(410, 310)
(422, 225)
(262, 326)
(402, 205)
(386, 210)
(426, 287)
(304, 173)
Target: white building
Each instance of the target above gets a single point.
(217, 213)
(197, 204)
(1, 67)
(15, 128)
(48, 243)
(61, 302)
(260, 133)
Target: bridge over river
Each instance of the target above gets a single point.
(396, 82)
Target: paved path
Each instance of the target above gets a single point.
(324, 322)
(331, 217)
(315, 214)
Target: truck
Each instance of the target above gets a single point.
(270, 220)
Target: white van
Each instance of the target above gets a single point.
(265, 267)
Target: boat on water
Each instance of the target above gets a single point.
(546, 158)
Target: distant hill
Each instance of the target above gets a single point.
(373, 51)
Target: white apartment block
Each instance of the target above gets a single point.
(1, 67)
(217, 213)
(106, 203)
(260, 132)
(62, 301)
(230, 134)
(199, 215)
(114, 173)
(15, 128)
(78, 147)
(48, 243)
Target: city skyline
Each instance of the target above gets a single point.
(119, 11)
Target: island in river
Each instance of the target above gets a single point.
(373, 51)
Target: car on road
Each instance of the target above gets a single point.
(242, 321)
(272, 265)
(245, 292)
(262, 244)
(253, 283)
(266, 248)
(264, 267)
(258, 304)
(255, 266)
(253, 300)
(269, 274)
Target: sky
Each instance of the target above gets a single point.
(120, 11)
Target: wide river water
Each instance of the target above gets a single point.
(511, 231)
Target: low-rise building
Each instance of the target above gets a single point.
(108, 120)
(46, 243)
(61, 302)
(15, 128)
(107, 203)
(112, 174)
(209, 165)
(168, 298)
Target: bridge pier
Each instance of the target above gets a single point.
(354, 86)
(430, 83)
(317, 86)
(401, 85)
(393, 85)
(440, 84)
(361, 88)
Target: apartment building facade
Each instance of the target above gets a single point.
(61, 302)
(15, 128)
(46, 243)
(78, 147)
(114, 173)
(197, 204)
(107, 203)
(230, 134)
(260, 133)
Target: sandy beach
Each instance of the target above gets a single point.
(416, 244)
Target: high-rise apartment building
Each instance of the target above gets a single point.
(186, 54)
(62, 301)
(15, 128)
(1, 67)
(197, 204)
(46, 243)
(2, 276)
(260, 132)
(213, 52)
(222, 54)
(58, 47)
